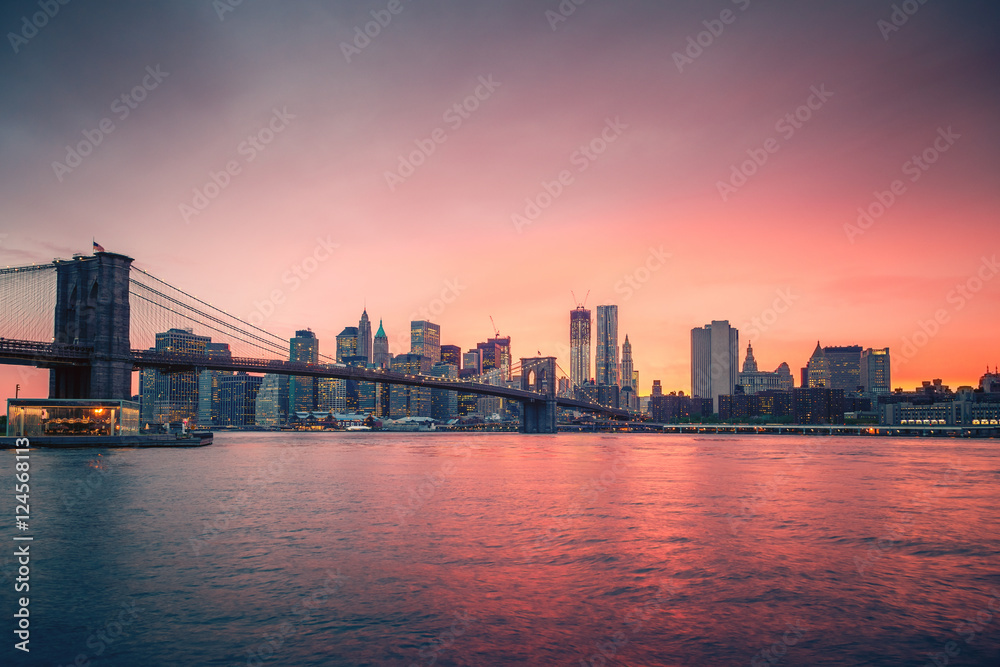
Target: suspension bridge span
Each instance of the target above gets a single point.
(92, 320)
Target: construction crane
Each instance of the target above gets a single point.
(496, 332)
(578, 304)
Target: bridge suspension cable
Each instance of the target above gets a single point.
(28, 302)
(158, 306)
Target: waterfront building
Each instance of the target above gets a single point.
(238, 399)
(267, 408)
(173, 397)
(817, 405)
(302, 390)
(208, 385)
(444, 403)
(672, 408)
(407, 401)
(468, 403)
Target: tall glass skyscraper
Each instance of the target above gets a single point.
(844, 366)
(425, 340)
(714, 361)
(607, 345)
(172, 397)
(347, 343)
(579, 346)
(875, 372)
(304, 347)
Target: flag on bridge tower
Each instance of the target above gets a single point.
(98, 247)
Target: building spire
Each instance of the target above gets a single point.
(750, 364)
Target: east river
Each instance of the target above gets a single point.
(505, 549)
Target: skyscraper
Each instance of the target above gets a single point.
(238, 399)
(495, 355)
(817, 373)
(714, 361)
(267, 408)
(365, 337)
(875, 372)
(579, 346)
(381, 357)
(173, 397)
(472, 361)
(304, 347)
(347, 343)
(208, 385)
(627, 367)
(407, 401)
(607, 345)
(425, 340)
(444, 402)
(452, 354)
(844, 367)
(629, 398)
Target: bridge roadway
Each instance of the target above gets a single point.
(55, 354)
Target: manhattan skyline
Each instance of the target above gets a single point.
(636, 161)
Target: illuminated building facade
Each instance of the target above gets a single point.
(347, 343)
(579, 346)
(173, 397)
(607, 345)
(302, 391)
(425, 340)
(844, 367)
(876, 372)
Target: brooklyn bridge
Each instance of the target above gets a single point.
(91, 321)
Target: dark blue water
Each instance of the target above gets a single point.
(501, 549)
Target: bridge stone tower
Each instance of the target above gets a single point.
(538, 374)
(92, 309)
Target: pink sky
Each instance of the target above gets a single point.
(654, 190)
